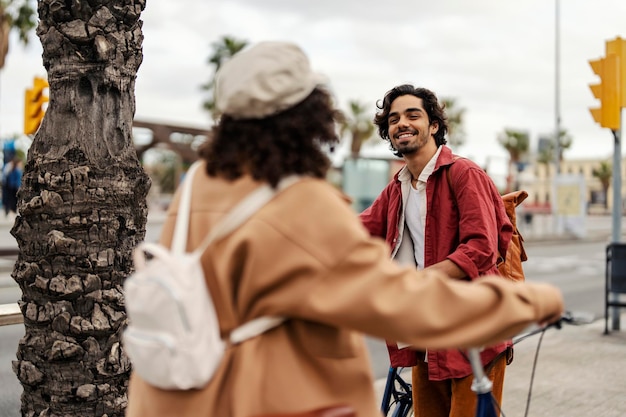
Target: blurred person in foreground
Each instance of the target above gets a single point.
(306, 256)
(439, 213)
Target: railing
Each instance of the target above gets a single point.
(10, 313)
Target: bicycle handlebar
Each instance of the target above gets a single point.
(567, 317)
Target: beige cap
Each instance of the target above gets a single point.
(264, 80)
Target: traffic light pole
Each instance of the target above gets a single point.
(557, 116)
(612, 94)
(617, 210)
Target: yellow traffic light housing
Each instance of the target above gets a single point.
(34, 99)
(608, 91)
(617, 47)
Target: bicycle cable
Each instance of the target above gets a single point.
(532, 373)
(566, 317)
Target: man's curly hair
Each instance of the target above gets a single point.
(435, 111)
(271, 148)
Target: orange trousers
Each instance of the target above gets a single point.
(451, 397)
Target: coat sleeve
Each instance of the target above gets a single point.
(346, 279)
(370, 293)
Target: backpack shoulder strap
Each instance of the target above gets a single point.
(235, 218)
(449, 179)
(252, 203)
(181, 227)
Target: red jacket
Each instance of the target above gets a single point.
(470, 238)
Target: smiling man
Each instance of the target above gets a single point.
(439, 212)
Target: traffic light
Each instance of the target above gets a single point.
(34, 99)
(617, 47)
(608, 91)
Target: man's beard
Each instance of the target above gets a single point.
(406, 150)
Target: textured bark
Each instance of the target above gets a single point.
(82, 209)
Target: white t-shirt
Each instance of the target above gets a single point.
(415, 214)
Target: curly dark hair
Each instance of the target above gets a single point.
(434, 110)
(271, 148)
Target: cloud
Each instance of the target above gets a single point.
(496, 58)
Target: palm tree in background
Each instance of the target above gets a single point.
(223, 50)
(546, 155)
(516, 143)
(565, 142)
(82, 210)
(604, 173)
(456, 130)
(358, 124)
(16, 15)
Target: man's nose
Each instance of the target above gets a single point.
(403, 122)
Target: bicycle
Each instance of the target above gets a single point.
(398, 394)
(397, 400)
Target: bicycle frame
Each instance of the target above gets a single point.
(398, 392)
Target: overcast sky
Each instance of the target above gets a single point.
(495, 57)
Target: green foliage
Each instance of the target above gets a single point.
(456, 130)
(20, 15)
(358, 124)
(516, 142)
(222, 50)
(546, 156)
(604, 173)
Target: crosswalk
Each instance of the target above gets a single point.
(589, 265)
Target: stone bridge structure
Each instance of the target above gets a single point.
(162, 137)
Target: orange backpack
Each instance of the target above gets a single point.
(510, 265)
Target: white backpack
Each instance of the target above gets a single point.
(173, 337)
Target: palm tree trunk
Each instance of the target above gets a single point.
(509, 176)
(82, 209)
(355, 146)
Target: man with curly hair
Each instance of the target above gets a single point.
(439, 213)
(306, 256)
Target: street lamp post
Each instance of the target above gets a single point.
(557, 91)
(557, 116)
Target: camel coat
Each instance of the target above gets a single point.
(306, 256)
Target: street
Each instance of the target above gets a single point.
(576, 267)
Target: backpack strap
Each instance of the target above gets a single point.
(235, 218)
(448, 168)
(254, 328)
(179, 239)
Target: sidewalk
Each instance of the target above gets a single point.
(597, 227)
(580, 373)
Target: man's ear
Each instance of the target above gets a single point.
(435, 127)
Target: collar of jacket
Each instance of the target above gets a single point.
(446, 157)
